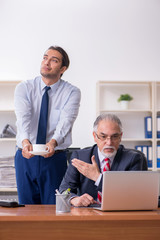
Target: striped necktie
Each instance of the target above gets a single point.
(106, 168)
(42, 126)
(107, 165)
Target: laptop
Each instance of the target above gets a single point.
(129, 190)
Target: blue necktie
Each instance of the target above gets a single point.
(42, 126)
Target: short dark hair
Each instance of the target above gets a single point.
(65, 58)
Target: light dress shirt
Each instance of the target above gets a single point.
(64, 102)
(102, 164)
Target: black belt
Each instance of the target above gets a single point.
(58, 151)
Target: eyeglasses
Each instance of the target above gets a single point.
(115, 137)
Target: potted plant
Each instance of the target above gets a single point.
(124, 100)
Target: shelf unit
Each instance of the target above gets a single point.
(7, 116)
(146, 102)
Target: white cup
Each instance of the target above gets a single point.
(40, 148)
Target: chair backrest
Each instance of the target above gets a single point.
(145, 162)
(69, 152)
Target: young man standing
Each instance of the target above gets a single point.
(39, 176)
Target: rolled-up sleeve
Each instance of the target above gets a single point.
(22, 111)
(67, 116)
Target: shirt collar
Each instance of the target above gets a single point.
(53, 86)
(101, 157)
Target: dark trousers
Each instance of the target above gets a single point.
(38, 177)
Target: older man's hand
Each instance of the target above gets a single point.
(90, 171)
(82, 201)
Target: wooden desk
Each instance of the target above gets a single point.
(41, 222)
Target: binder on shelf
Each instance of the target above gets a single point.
(147, 150)
(148, 126)
(158, 126)
(142, 148)
(158, 156)
(149, 159)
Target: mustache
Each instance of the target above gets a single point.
(109, 147)
(109, 155)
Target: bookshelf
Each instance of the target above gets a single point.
(7, 145)
(146, 102)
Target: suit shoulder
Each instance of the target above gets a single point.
(131, 152)
(85, 152)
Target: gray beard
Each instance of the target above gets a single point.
(109, 155)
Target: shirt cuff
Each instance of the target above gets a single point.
(58, 139)
(98, 179)
(25, 136)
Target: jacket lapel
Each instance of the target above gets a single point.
(117, 159)
(95, 153)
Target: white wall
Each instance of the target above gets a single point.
(105, 39)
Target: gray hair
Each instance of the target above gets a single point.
(107, 116)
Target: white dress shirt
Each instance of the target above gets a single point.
(102, 164)
(64, 102)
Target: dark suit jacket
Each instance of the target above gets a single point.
(125, 160)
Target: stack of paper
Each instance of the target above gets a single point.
(7, 172)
